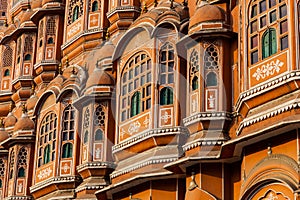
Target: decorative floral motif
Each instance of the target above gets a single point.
(268, 69)
(147, 122)
(45, 173)
(166, 117)
(134, 127)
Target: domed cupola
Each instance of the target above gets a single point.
(24, 123)
(10, 120)
(100, 78)
(208, 17)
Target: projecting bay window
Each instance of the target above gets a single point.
(268, 29)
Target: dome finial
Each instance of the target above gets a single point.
(24, 110)
(144, 9)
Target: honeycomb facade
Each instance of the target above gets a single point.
(153, 99)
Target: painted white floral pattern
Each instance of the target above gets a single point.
(268, 70)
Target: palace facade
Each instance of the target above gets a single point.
(150, 100)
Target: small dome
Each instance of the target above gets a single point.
(207, 13)
(31, 102)
(99, 77)
(10, 120)
(24, 123)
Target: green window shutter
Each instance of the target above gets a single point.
(21, 172)
(99, 135)
(273, 42)
(195, 84)
(266, 44)
(75, 13)
(135, 104)
(166, 96)
(170, 96)
(47, 154)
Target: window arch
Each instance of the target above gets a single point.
(47, 139)
(166, 96)
(50, 40)
(211, 79)
(195, 83)
(67, 150)
(268, 28)
(27, 57)
(95, 6)
(21, 172)
(136, 77)
(99, 135)
(7, 72)
(135, 104)
(75, 13)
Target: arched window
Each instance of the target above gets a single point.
(95, 6)
(27, 57)
(50, 40)
(1, 183)
(99, 135)
(195, 83)
(67, 150)
(211, 79)
(194, 69)
(22, 162)
(268, 29)
(21, 172)
(136, 77)
(269, 43)
(135, 104)
(7, 72)
(166, 96)
(75, 13)
(68, 131)
(46, 157)
(47, 139)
